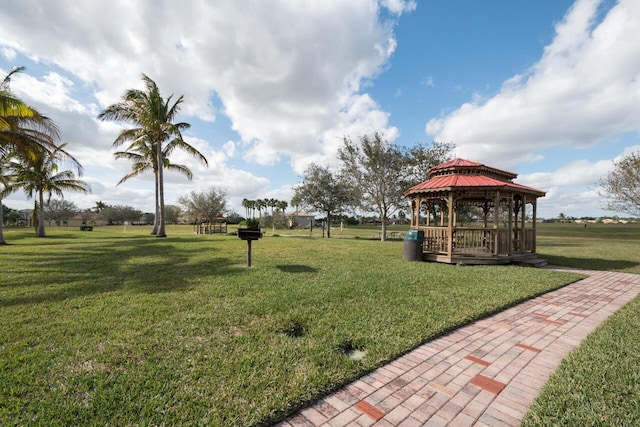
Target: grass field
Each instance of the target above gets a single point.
(598, 384)
(115, 328)
(610, 247)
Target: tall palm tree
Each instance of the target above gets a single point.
(22, 130)
(4, 182)
(22, 126)
(142, 156)
(154, 118)
(37, 173)
(245, 205)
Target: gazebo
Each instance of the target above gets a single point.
(475, 214)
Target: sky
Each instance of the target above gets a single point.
(549, 89)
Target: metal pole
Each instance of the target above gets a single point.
(249, 253)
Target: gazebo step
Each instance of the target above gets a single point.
(530, 262)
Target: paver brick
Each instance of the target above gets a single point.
(484, 374)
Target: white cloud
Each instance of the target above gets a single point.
(578, 172)
(290, 76)
(284, 72)
(428, 81)
(8, 53)
(585, 88)
(399, 6)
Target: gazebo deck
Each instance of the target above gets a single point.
(477, 245)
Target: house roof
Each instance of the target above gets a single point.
(462, 173)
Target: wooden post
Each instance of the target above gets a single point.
(496, 223)
(534, 222)
(450, 226)
(523, 231)
(510, 239)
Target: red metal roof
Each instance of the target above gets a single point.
(457, 163)
(453, 180)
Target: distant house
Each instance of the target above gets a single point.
(25, 217)
(299, 219)
(85, 218)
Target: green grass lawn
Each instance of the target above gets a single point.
(598, 384)
(115, 328)
(610, 247)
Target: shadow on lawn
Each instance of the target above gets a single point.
(146, 265)
(296, 268)
(590, 263)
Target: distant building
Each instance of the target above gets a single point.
(299, 219)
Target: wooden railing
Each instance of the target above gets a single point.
(477, 241)
(435, 239)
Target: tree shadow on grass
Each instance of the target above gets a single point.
(591, 263)
(296, 268)
(146, 265)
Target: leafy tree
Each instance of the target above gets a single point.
(60, 210)
(172, 213)
(234, 218)
(37, 174)
(118, 214)
(377, 169)
(154, 118)
(621, 188)
(9, 215)
(205, 205)
(99, 206)
(324, 191)
(420, 158)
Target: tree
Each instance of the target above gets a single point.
(9, 215)
(205, 205)
(37, 174)
(99, 206)
(21, 126)
(172, 214)
(324, 191)
(377, 169)
(259, 205)
(60, 210)
(118, 214)
(246, 204)
(143, 158)
(621, 188)
(154, 118)
(420, 158)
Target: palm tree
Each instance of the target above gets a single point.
(22, 130)
(10, 106)
(4, 180)
(153, 117)
(142, 155)
(37, 173)
(282, 205)
(260, 204)
(245, 205)
(22, 126)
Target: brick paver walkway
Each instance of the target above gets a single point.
(484, 374)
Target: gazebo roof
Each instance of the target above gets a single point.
(462, 173)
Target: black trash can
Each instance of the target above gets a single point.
(413, 241)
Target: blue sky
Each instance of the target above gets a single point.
(548, 89)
